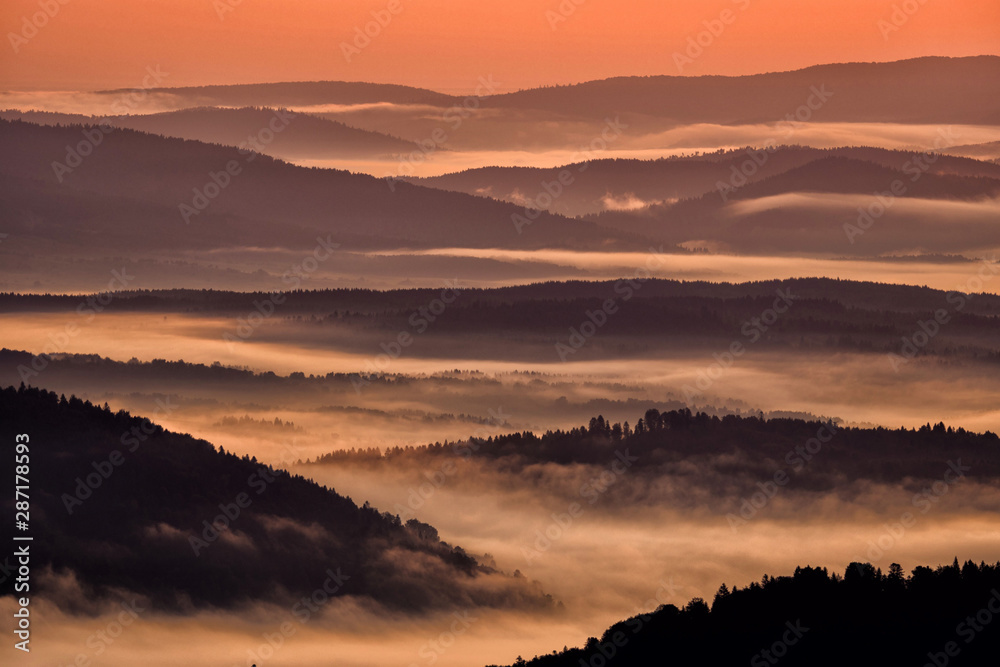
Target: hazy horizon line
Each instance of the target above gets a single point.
(518, 90)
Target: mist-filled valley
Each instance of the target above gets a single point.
(365, 335)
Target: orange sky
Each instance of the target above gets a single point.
(448, 44)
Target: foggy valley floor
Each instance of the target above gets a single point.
(577, 339)
(657, 531)
(615, 525)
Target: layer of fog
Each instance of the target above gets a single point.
(949, 275)
(524, 380)
(506, 146)
(278, 269)
(946, 211)
(473, 136)
(614, 548)
(606, 563)
(342, 633)
(644, 542)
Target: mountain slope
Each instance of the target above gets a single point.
(261, 193)
(847, 175)
(612, 184)
(921, 90)
(122, 505)
(834, 204)
(299, 136)
(812, 618)
(297, 93)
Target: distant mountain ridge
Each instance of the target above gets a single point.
(929, 89)
(600, 185)
(261, 197)
(300, 135)
(920, 90)
(293, 93)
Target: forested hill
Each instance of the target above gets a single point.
(727, 447)
(944, 616)
(119, 506)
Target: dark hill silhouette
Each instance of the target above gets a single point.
(663, 441)
(46, 117)
(845, 175)
(78, 220)
(298, 93)
(801, 225)
(687, 177)
(143, 493)
(866, 617)
(662, 315)
(305, 136)
(847, 295)
(651, 181)
(268, 194)
(921, 90)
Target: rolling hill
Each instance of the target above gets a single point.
(258, 196)
(297, 93)
(125, 507)
(301, 136)
(615, 184)
(920, 90)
